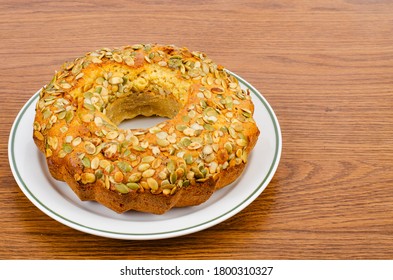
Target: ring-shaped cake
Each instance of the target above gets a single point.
(202, 147)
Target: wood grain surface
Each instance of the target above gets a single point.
(326, 67)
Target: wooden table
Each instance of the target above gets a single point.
(326, 67)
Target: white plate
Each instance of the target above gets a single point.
(58, 201)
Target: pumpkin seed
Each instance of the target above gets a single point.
(76, 141)
(86, 162)
(152, 183)
(53, 142)
(148, 159)
(194, 146)
(109, 168)
(87, 117)
(132, 186)
(134, 140)
(135, 177)
(213, 167)
(232, 132)
(121, 188)
(94, 163)
(180, 172)
(156, 163)
(162, 175)
(241, 142)
(46, 113)
(171, 165)
(87, 178)
(63, 129)
(137, 46)
(189, 131)
(100, 80)
(148, 173)
(188, 158)
(110, 150)
(181, 127)
(67, 148)
(162, 135)
(244, 156)
(112, 135)
(69, 116)
(61, 115)
(90, 148)
(143, 167)
(129, 61)
(124, 166)
(62, 154)
(207, 150)
(115, 80)
(156, 151)
(117, 57)
(173, 177)
(104, 163)
(118, 176)
(237, 126)
(98, 174)
(98, 121)
(228, 147)
(162, 142)
(38, 135)
(68, 138)
(166, 184)
(166, 191)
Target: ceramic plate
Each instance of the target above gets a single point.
(57, 200)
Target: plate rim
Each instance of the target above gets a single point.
(153, 235)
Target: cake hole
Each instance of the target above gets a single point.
(141, 122)
(142, 110)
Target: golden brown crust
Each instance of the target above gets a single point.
(180, 162)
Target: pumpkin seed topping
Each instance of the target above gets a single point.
(67, 148)
(143, 167)
(207, 150)
(152, 183)
(148, 173)
(211, 135)
(135, 177)
(122, 188)
(86, 162)
(87, 178)
(132, 186)
(95, 163)
(148, 159)
(90, 148)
